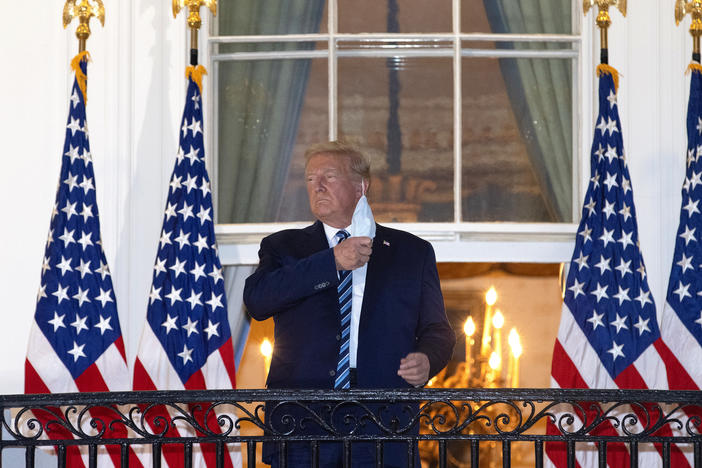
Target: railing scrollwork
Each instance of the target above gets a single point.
(427, 416)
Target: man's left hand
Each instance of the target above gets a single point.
(414, 368)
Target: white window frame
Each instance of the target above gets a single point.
(456, 241)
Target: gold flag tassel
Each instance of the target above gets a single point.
(196, 73)
(694, 67)
(83, 10)
(603, 68)
(81, 77)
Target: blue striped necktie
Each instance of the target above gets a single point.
(345, 292)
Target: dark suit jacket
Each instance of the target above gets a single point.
(403, 310)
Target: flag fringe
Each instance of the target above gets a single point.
(604, 68)
(81, 77)
(694, 67)
(196, 74)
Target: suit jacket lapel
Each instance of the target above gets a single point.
(317, 237)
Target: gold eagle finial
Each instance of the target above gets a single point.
(604, 5)
(682, 8)
(83, 10)
(603, 19)
(194, 20)
(694, 8)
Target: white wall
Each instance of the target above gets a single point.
(136, 92)
(652, 55)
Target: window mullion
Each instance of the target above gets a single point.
(396, 37)
(457, 114)
(332, 67)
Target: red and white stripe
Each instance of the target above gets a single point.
(688, 371)
(46, 373)
(577, 365)
(153, 371)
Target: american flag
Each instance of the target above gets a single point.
(186, 343)
(608, 336)
(75, 342)
(681, 324)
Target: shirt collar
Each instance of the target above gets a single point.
(330, 232)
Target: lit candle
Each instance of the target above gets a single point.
(490, 300)
(469, 330)
(498, 322)
(516, 348)
(495, 362)
(267, 352)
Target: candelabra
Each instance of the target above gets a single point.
(482, 368)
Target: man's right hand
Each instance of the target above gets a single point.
(353, 253)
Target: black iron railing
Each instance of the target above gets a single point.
(446, 427)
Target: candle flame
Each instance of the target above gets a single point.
(469, 327)
(494, 361)
(491, 296)
(498, 320)
(515, 343)
(513, 337)
(266, 348)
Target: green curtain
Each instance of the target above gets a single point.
(540, 92)
(259, 111)
(259, 106)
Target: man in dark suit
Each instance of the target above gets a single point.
(397, 336)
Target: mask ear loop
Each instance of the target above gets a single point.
(363, 187)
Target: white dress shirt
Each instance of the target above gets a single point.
(358, 279)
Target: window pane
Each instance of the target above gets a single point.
(268, 112)
(517, 17)
(517, 140)
(405, 16)
(244, 17)
(401, 112)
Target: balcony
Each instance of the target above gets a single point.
(457, 427)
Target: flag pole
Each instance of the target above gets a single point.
(694, 8)
(83, 10)
(194, 21)
(604, 21)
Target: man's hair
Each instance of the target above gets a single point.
(358, 162)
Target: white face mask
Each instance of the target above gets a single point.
(362, 223)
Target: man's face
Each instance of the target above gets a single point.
(332, 188)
